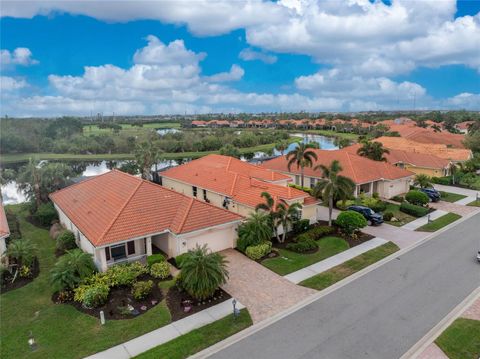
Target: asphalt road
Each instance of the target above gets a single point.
(381, 314)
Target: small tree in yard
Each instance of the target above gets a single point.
(350, 222)
(71, 269)
(22, 251)
(417, 197)
(423, 181)
(203, 272)
(287, 215)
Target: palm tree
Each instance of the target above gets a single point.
(22, 251)
(287, 214)
(146, 155)
(71, 268)
(422, 180)
(302, 156)
(270, 207)
(203, 272)
(256, 229)
(281, 146)
(373, 150)
(453, 170)
(332, 186)
(29, 179)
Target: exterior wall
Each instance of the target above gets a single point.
(431, 172)
(163, 242)
(389, 189)
(217, 239)
(3, 245)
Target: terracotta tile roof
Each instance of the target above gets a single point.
(415, 159)
(4, 230)
(464, 125)
(359, 169)
(239, 180)
(116, 206)
(439, 150)
(427, 135)
(199, 123)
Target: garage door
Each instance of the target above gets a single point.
(216, 240)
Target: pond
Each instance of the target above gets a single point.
(325, 143)
(164, 131)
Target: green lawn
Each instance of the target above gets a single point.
(93, 129)
(451, 197)
(60, 330)
(461, 340)
(403, 218)
(474, 204)
(440, 222)
(289, 261)
(336, 274)
(24, 157)
(199, 339)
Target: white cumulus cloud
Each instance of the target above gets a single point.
(249, 54)
(20, 56)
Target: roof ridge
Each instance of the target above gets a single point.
(234, 183)
(182, 224)
(228, 164)
(351, 166)
(121, 209)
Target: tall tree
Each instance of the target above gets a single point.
(302, 156)
(332, 186)
(373, 150)
(146, 155)
(423, 181)
(287, 214)
(281, 146)
(270, 207)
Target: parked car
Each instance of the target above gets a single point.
(372, 217)
(478, 256)
(432, 194)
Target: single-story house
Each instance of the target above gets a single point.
(235, 185)
(456, 155)
(118, 217)
(418, 163)
(4, 231)
(369, 176)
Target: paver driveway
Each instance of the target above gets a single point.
(262, 291)
(454, 207)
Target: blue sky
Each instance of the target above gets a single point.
(283, 56)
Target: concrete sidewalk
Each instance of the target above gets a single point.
(169, 332)
(457, 190)
(333, 261)
(424, 220)
(466, 200)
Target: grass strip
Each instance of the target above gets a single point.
(342, 271)
(199, 339)
(438, 223)
(461, 340)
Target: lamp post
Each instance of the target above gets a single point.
(428, 219)
(236, 311)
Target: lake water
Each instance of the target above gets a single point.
(164, 131)
(12, 195)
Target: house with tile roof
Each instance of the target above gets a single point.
(4, 231)
(369, 176)
(118, 218)
(456, 155)
(235, 185)
(464, 127)
(418, 163)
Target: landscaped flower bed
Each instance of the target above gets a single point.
(23, 277)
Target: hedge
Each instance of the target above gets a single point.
(259, 251)
(416, 211)
(417, 197)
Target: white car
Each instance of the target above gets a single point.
(478, 256)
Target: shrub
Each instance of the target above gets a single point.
(350, 222)
(71, 269)
(66, 241)
(301, 226)
(305, 189)
(388, 216)
(442, 180)
(125, 274)
(179, 259)
(14, 226)
(398, 199)
(25, 271)
(259, 251)
(417, 198)
(304, 243)
(160, 270)
(141, 290)
(413, 210)
(93, 295)
(320, 231)
(374, 204)
(203, 272)
(45, 214)
(23, 251)
(256, 229)
(343, 205)
(3, 273)
(155, 258)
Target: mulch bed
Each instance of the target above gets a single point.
(20, 282)
(175, 298)
(118, 300)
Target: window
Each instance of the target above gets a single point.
(107, 253)
(205, 195)
(131, 247)
(194, 190)
(118, 252)
(312, 182)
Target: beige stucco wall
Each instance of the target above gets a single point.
(431, 172)
(3, 245)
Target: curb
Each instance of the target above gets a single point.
(438, 329)
(265, 323)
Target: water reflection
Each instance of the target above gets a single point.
(164, 131)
